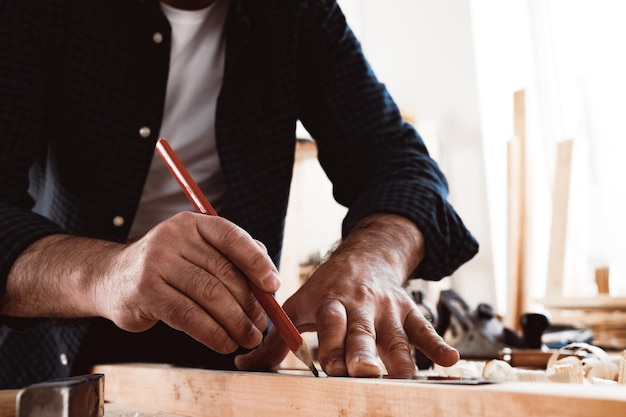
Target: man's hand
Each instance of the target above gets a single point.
(358, 306)
(190, 272)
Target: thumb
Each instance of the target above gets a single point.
(267, 356)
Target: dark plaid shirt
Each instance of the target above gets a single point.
(80, 81)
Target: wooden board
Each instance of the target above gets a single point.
(205, 393)
(600, 302)
(123, 410)
(516, 214)
(560, 210)
(8, 397)
(7, 402)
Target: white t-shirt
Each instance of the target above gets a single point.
(195, 78)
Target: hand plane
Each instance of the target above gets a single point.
(479, 334)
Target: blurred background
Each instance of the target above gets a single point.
(522, 103)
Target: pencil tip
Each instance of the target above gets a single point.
(304, 355)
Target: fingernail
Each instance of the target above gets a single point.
(336, 367)
(230, 346)
(272, 281)
(238, 363)
(367, 366)
(255, 337)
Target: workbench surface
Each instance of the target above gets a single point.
(122, 410)
(205, 393)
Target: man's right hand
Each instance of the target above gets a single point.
(191, 272)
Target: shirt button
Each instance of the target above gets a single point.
(63, 359)
(144, 132)
(157, 37)
(118, 221)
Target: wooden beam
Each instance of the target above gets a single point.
(206, 393)
(559, 224)
(516, 214)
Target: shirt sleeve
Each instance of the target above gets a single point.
(375, 161)
(23, 94)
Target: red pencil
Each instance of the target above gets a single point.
(279, 318)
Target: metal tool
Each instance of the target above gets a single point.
(479, 334)
(447, 380)
(80, 396)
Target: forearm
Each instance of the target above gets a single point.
(56, 277)
(190, 272)
(388, 239)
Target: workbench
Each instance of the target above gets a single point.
(134, 390)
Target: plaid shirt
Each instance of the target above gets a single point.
(82, 86)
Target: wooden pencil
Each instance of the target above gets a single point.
(275, 312)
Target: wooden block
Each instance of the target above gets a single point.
(206, 393)
(602, 280)
(7, 402)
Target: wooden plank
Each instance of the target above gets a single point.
(7, 402)
(516, 213)
(123, 410)
(600, 302)
(602, 280)
(560, 210)
(8, 397)
(206, 393)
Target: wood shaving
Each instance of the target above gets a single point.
(589, 365)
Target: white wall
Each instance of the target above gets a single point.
(423, 50)
(568, 55)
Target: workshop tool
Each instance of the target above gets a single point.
(479, 333)
(534, 358)
(279, 318)
(79, 396)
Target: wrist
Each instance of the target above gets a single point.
(56, 277)
(388, 238)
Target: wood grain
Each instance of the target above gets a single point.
(7, 402)
(123, 410)
(602, 280)
(559, 223)
(205, 393)
(516, 214)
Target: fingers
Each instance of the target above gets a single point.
(181, 313)
(211, 279)
(423, 336)
(347, 344)
(395, 349)
(175, 274)
(246, 254)
(332, 328)
(266, 357)
(230, 305)
(362, 359)
(352, 342)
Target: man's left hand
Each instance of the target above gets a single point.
(358, 306)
